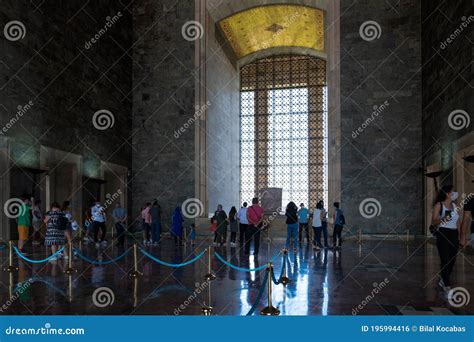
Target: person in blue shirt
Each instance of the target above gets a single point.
(303, 215)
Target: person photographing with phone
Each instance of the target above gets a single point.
(446, 227)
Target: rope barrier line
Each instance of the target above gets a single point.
(239, 268)
(164, 263)
(261, 291)
(97, 262)
(36, 261)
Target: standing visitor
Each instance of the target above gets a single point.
(155, 213)
(221, 230)
(119, 215)
(243, 222)
(303, 215)
(98, 224)
(445, 216)
(255, 222)
(339, 221)
(292, 225)
(317, 226)
(234, 226)
(37, 222)
(56, 222)
(467, 221)
(24, 222)
(177, 226)
(146, 224)
(324, 222)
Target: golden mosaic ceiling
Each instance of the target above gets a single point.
(272, 26)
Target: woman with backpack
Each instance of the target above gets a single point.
(56, 223)
(339, 222)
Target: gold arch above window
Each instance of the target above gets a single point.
(272, 26)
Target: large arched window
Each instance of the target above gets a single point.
(284, 128)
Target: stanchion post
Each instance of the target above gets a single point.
(70, 270)
(10, 267)
(135, 292)
(360, 236)
(270, 310)
(284, 279)
(135, 273)
(209, 276)
(70, 288)
(207, 309)
(408, 234)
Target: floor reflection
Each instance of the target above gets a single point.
(322, 282)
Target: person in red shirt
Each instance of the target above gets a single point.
(255, 222)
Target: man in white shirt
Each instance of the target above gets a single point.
(243, 222)
(98, 223)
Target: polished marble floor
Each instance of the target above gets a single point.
(323, 283)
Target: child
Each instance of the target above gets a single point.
(192, 234)
(55, 226)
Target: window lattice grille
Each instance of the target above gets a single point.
(284, 128)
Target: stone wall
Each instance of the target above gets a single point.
(163, 102)
(223, 126)
(447, 46)
(65, 82)
(381, 94)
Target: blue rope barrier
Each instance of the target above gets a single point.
(239, 268)
(164, 263)
(36, 261)
(97, 262)
(261, 291)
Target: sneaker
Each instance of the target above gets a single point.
(66, 257)
(103, 243)
(214, 244)
(145, 242)
(441, 284)
(53, 259)
(97, 245)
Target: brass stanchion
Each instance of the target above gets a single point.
(284, 279)
(207, 309)
(135, 273)
(360, 236)
(70, 270)
(10, 285)
(209, 276)
(270, 310)
(10, 267)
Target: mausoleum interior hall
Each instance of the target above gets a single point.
(236, 157)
